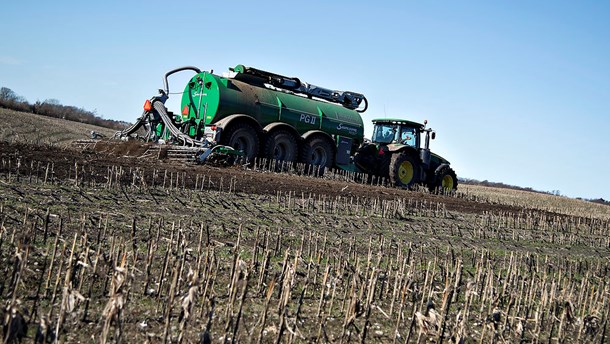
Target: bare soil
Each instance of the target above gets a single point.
(130, 154)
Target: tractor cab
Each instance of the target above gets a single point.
(397, 131)
(399, 134)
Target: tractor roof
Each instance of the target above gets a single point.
(397, 121)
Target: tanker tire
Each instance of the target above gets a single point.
(404, 170)
(445, 180)
(281, 145)
(243, 137)
(317, 154)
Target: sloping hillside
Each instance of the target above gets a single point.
(30, 128)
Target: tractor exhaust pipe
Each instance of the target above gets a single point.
(425, 154)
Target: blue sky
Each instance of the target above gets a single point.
(518, 91)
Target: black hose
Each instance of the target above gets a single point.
(169, 125)
(366, 105)
(165, 83)
(133, 128)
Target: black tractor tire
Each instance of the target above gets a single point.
(384, 165)
(318, 154)
(445, 180)
(404, 170)
(281, 145)
(242, 136)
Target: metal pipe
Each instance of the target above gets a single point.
(166, 84)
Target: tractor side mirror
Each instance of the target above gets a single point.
(433, 135)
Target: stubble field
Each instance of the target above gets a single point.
(104, 247)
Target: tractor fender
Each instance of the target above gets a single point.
(280, 125)
(431, 174)
(225, 122)
(440, 167)
(439, 159)
(398, 148)
(312, 133)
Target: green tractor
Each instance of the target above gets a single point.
(397, 153)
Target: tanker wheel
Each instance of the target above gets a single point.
(317, 151)
(445, 180)
(242, 137)
(404, 170)
(281, 145)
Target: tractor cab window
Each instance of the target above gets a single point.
(408, 136)
(385, 133)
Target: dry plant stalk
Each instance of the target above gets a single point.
(113, 311)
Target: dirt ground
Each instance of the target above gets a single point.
(130, 154)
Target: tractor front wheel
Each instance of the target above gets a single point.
(404, 170)
(445, 180)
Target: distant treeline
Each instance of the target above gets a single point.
(504, 186)
(600, 201)
(513, 187)
(52, 108)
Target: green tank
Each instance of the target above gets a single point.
(266, 102)
(212, 98)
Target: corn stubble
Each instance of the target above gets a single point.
(157, 258)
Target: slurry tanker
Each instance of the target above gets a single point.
(251, 113)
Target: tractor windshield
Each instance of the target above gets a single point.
(408, 136)
(384, 133)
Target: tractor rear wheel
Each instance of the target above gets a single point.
(445, 180)
(242, 137)
(317, 151)
(281, 145)
(404, 170)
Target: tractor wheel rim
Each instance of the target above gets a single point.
(447, 182)
(405, 172)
